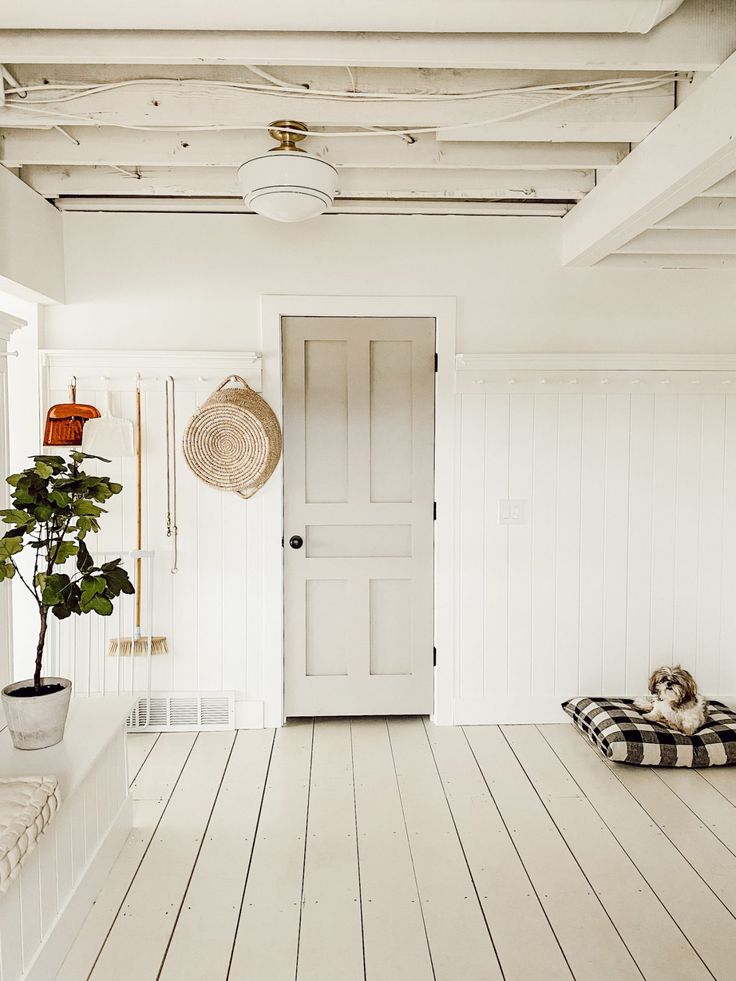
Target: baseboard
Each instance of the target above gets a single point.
(68, 923)
(249, 715)
(510, 710)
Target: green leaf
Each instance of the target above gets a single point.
(92, 586)
(14, 516)
(115, 488)
(59, 498)
(87, 508)
(43, 469)
(118, 582)
(14, 479)
(99, 604)
(10, 546)
(43, 512)
(64, 552)
(54, 590)
(85, 562)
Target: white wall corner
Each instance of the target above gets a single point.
(31, 243)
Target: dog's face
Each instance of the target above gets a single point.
(674, 685)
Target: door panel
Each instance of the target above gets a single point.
(358, 491)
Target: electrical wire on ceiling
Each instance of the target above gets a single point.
(561, 92)
(80, 90)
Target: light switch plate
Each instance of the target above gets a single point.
(511, 512)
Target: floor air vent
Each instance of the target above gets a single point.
(172, 711)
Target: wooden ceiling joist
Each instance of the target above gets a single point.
(691, 241)
(597, 118)
(693, 148)
(705, 213)
(563, 185)
(96, 146)
(699, 38)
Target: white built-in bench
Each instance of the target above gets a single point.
(45, 904)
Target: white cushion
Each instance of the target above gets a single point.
(27, 804)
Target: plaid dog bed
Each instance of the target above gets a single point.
(622, 734)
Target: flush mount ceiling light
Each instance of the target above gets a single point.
(286, 183)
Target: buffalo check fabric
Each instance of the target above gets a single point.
(622, 734)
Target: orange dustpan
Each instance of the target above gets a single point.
(65, 421)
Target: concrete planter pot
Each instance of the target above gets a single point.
(37, 721)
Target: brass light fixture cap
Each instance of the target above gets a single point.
(287, 141)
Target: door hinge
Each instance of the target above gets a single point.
(434, 656)
(434, 510)
(436, 361)
(282, 541)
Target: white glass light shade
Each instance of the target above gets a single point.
(287, 185)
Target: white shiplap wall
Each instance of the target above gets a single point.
(626, 558)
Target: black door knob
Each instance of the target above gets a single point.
(296, 541)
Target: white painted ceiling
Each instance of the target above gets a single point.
(471, 107)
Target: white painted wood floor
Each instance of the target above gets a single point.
(397, 850)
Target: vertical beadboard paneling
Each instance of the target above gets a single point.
(664, 505)
(592, 526)
(639, 566)
(567, 553)
(496, 542)
(687, 530)
(727, 645)
(472, 535)
(626, 558)
(615, 550)
(710, 542)
(521, 487)
(544, 543)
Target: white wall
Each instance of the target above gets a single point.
(194, 281)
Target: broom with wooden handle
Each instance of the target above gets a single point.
(138, 644)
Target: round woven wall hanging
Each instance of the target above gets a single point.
(233, 440)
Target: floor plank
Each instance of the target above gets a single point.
(524, 939)
(331, 918)
(713, 809)
(568, 898)
(138, 747)
(459, 940)
(266, 941)
(628, 898)
(394, 936)
(137, 943)
(702, 917)
(151, 792)
(706, 853)
(723, 779)
(202, 939)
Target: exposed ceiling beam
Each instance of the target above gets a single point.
(725, 188)
(229, 148)
(342, 207)
(565, 185)
(604, 118)
(434, 16)
(699, 38)
(618, 260)
(703, 213)
(31, 243)
(691, 241)
(691, 150)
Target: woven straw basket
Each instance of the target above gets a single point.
(233, 440)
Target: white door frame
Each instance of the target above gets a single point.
(443, 310)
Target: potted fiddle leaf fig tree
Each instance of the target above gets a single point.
(55, 505)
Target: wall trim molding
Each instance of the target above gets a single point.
(571, 374)
(497, 361)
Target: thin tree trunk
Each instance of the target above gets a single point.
(43, 611)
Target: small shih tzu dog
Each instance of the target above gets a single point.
(674, 701)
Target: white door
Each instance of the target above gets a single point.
(358, 515)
